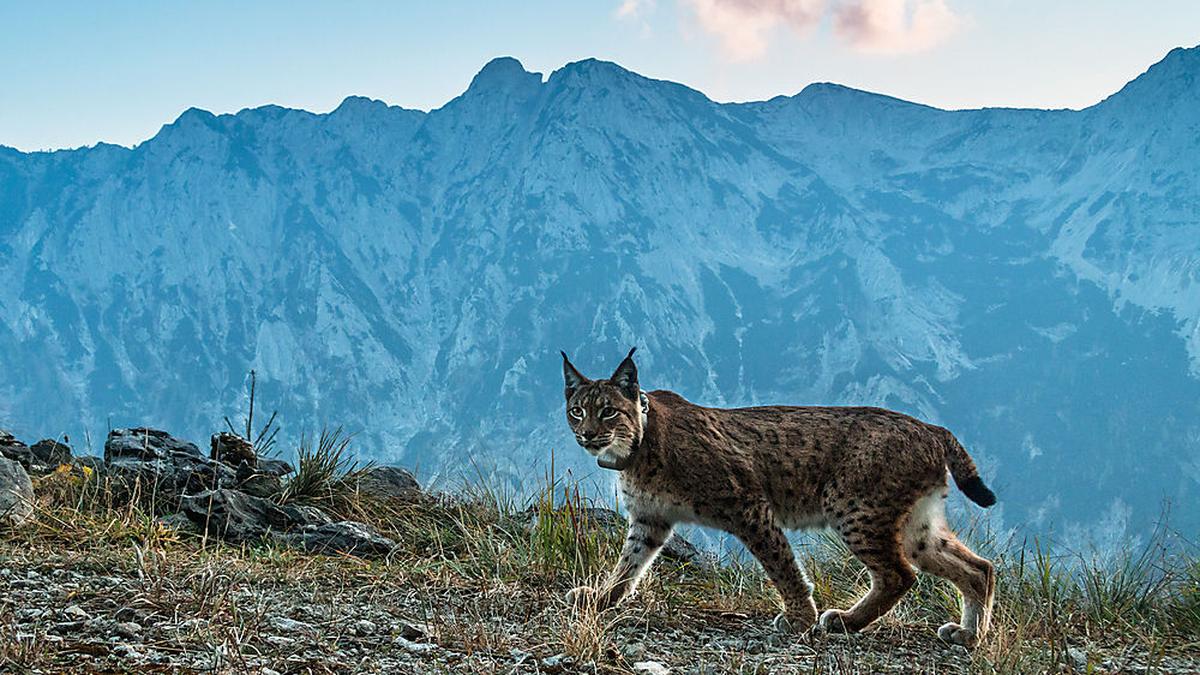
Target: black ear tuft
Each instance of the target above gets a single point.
(626, 378)
(573, 378)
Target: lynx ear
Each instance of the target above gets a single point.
(574, 378)
(625, 376)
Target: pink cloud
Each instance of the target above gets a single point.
(745, 28)
(895, 26)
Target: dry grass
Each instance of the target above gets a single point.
(486, 574)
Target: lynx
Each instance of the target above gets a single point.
(876, 477)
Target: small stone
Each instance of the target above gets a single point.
(634, 651)
(128, 651)
(291, 625)
(363, 627)
(1079, 658)
(128, 614)
(76, 612)
(414, 647)
(651, 667)
(128, 630)
(191, 624)
(411, 632)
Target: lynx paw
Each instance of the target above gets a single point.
(792, 623)
(955, 633)
(584, 597)
(831, 621)
(580, 595)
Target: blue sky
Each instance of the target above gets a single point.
(74, 73)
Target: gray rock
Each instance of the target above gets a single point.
(414, 647)
(180, 521)
(410, 632)
(271, 466)
(76, 612)
(556, 663)
(162, 462)
(95, 464)
(239, 517)
(346, 536)
(146, 444)
(232, 450)
(128, 630)
(40, 458)
(388, 482)
(283, 623)
(238, 453)
(13, 449)
(251, 481)
(51, 453)
(261, 485)
(16, 493)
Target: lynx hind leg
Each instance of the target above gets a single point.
(934, 548)
(872, 533)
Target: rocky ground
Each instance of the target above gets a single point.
(95, 577)
(67, 613)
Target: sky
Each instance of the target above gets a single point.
(76, 73)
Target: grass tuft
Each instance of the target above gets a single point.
(326, 474)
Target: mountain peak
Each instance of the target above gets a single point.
(591, 71)
(1176, 77)
(503, 73)
(358, 105)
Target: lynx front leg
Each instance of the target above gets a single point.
(645, 539)
(767, 542)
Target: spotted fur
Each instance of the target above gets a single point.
(876, 477)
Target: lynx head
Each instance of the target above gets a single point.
(607, 416)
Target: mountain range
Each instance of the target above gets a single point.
(1028, 278)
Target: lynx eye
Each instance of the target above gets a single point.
(576, 412)
(609, 413)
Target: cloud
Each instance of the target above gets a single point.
(895, 26)
(632, 9)
(636, 11)
(745, 28)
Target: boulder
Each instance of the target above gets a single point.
(11, 448)
(388, 482)
(145, 444)
(163, 462)
(16, 493)
(91, 463)
(252, 482)
(274, 467)
(346, 536)
(259, 476)
(232, 449)
(238, 517)
(51, 453)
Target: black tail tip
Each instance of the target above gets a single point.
(977, 492)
